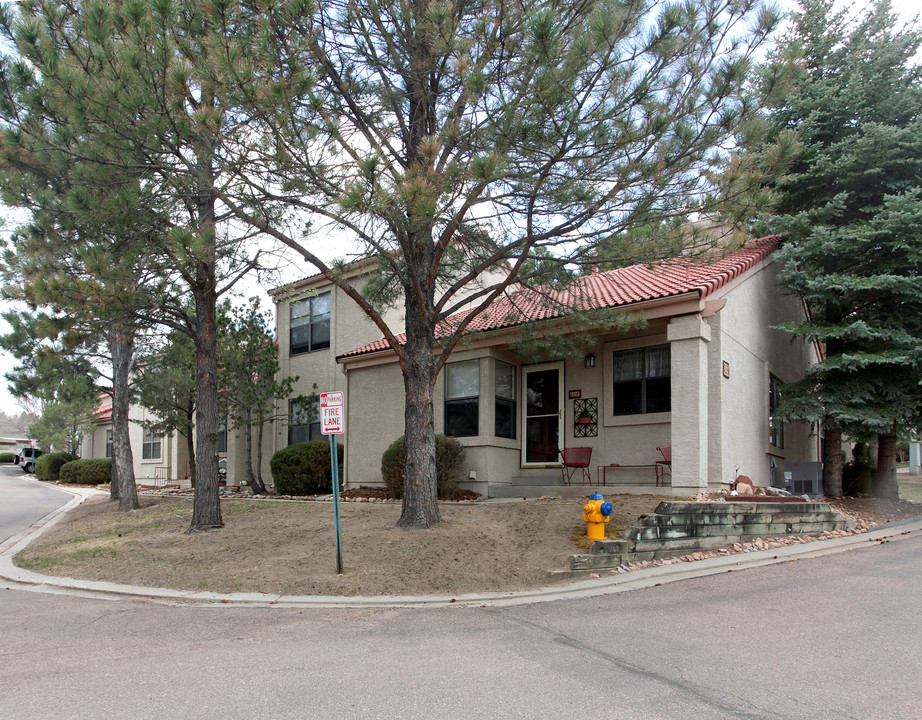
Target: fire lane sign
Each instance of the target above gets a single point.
(332, 413)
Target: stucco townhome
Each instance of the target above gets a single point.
(158, 459)
(701, 377)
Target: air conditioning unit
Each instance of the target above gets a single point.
(804, 478)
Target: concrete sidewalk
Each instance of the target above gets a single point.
(19, 579)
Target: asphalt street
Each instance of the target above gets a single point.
(836, 637)
(23, 501)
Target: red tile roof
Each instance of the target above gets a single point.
(103, 413)
(611, 289)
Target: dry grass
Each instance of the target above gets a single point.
(910, 487)
(289, 548)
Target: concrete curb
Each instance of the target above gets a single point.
(19, 579)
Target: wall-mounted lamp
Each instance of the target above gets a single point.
(590, 361)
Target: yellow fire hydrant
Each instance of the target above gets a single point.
(596, 513)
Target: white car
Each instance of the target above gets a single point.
(26, 457)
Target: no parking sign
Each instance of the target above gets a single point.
(332, 413)
(333, 422)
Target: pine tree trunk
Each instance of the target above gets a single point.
(259, 456)
(832, 463)
(206, 502)
(190, 441)
(257, 486)
(420, 490)
(113, 477)
(885, 484)
(121, 346)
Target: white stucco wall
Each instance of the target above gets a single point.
(743, 338)
(374, 403)
(94, 443)
(689, 337)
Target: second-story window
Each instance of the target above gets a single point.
(310, 324)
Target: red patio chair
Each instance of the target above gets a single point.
(574, 459)
(661, 465)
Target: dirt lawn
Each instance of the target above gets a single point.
(289, 548)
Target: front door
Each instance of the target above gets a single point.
(543, 416)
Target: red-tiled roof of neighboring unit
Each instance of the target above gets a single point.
(104, 412)
(612, 289)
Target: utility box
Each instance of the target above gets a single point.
(803, 478)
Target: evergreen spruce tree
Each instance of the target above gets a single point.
(850, 205)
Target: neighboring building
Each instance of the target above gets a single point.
(158, 459)
(11, 444)
(315, 322)
(703, 376)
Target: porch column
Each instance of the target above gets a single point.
(688, 337)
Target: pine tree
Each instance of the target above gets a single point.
(85, 257)
(456, 141)
(146, 87)
(63, 383)
(851, 205)
(166, 387)
(248, 373)
(450, 140)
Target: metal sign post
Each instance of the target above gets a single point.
(333, 423)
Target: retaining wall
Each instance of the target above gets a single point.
(677, 527)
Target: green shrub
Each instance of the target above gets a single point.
(48, 466)
(7, 457)
(90, 471)
(449, 456)
(304, 468)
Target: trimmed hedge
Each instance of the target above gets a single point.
(89, 471)
(7, 457)
(48, 466)
(449, 456)
(304, 468)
